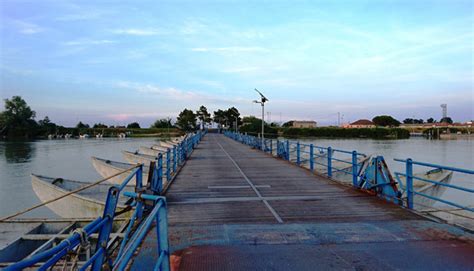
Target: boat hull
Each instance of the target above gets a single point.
(73, 206)
(138, 158)
(108, 168)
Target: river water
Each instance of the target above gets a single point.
(71, 159)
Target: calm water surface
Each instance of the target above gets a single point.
(56, 158)
(71, 159)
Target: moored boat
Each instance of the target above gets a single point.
(108, 168)
(138, 158)
(427, 188)
(151, 151)
(87, 203)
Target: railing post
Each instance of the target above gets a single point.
(329, 150)
(298, 153)
(409, 178)
(278, 148)
(168, 165)
(104, 233)
(162, 236)
(354, 168)
(174, 159)
(311, 157)
(287, 150)
(160, 173)
(138, 188)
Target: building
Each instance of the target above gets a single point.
(304, 124)
(363, 123)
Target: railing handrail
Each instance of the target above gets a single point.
(462, 170)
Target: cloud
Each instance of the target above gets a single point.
(138, 31)
(85, 42)
(27, 28)
(80, 16)
(175, 94)
(232, 49)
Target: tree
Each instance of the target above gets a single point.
(231, 115)
(446, 120)
(288, 124)
(203, 115)
(47, 126)
(186, 120)
(133, 125)
(412, 121)
(81, 125)
(219, 117)
(162, 123)
(253, 126)
(385, 120)
(17, 117)
(430, 120)
(99, 125)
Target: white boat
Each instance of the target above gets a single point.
(168, 144)
(138, 158)
(427, 188)
(87, 203)
(108, 168)
(160, 148)
(151, 151)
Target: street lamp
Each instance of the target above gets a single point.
(236, 117)
(262, 101)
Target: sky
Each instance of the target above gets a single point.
(117, 62)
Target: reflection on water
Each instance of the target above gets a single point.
(18, 151)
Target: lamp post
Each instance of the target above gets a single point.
(236, 118)
(262, 101)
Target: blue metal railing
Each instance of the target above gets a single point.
(330, 161)
(410, 177)
(156, 211)
(316, 157)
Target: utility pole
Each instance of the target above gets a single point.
(262, 101)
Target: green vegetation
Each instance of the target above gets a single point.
(227, 117)
(385, 121)
(133, 125)
(253, 126)
(446, 120)
(203, 116)
(186, 120)
(18, 119)
(162, 123)
(413, 121)
(375, 133)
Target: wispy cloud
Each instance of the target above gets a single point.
(232, 49)
(85, 42)
(27, 28)
(176, 94)
(138, 31)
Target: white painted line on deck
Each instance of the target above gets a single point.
(275, 214)
(235, 186)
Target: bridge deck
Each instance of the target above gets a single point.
(232, 208)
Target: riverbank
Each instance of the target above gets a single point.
(64, 132)
(336, 132)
